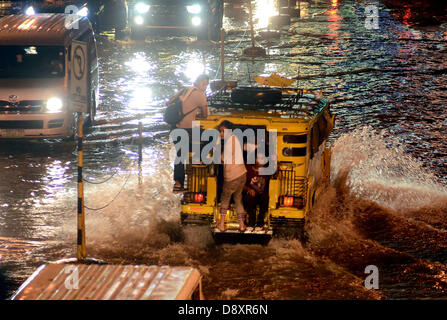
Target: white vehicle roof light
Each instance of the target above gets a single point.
(142, 7)
(30, 11)
(194, 9)
(54, 104)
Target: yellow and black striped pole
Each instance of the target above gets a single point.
(81, 217)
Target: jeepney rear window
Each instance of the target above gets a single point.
(302, 138)
(32, 62)
(294, 152)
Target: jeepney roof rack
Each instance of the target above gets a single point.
(293, 102)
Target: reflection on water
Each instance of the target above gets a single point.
(386, 205)
(334, 27)
(141, 98)
(304, 9)
(139, 64)
(193, 66)
(263, 11)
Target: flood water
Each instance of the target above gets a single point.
(386, 206)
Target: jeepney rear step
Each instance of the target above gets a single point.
(249, 236)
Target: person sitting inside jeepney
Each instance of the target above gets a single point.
(234, 175)
(256, 191)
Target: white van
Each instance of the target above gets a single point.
(35, 75)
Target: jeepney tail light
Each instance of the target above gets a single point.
(199, 198)
(291, 202)
(288, 201)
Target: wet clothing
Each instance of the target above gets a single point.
(234, 175)
(259, 184)
(195, 100)
(250, 204)
(233, 188)
(192, 99)
(179, 168)
(233, 159)
(256, 181)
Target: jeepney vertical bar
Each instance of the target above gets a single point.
(196, 178)
(290, 181)
(81, 252)
(199, 180)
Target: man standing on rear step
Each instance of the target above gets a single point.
(234, 176)
(193, 104)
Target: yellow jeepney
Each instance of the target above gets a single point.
(303, 121)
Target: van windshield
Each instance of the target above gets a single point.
(32, 62)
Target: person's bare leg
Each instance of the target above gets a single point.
(242, 225)
(221, 224)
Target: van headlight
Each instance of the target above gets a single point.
(196, 21)
(30, 11)
(139, 20)
(54, 104)
(141, 7)
(194, 9)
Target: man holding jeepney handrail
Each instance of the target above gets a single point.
(183, 108)
(235, 175)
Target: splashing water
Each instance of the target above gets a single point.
(378, 169)
(145, 203)
(383, 208)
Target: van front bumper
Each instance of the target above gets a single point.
(38, 126)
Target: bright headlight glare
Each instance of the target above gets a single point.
(139, 20)
(30, 11)
(83, 12)
(194, 9)
(141, 7)
(54, 104)
(196, 21)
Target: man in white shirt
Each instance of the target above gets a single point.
(234, 175)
